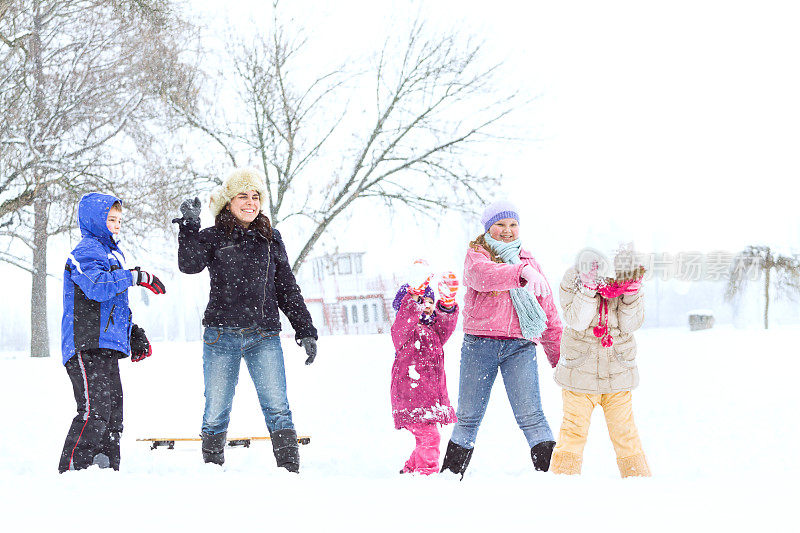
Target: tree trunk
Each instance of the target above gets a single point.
(766, 296)
(40, 340)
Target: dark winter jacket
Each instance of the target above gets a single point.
(96, 313)
(250, 278)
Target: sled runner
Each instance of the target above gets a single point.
(169, 442)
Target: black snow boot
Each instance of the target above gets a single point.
(541, 453)
(214, 447)
(284, 446)
(456, 458)
(108, 455)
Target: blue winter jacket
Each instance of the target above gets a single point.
(96, 311)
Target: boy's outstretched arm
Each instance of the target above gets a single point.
(91, 271)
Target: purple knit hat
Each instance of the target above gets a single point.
(498, 211)
(398, 299)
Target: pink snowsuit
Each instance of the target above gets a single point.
(418, 387)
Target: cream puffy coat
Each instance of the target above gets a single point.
(585, 365)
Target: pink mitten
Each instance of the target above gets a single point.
(590, 278)
(535, 281)
(632, 287)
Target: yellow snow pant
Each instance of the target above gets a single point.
(578, 407)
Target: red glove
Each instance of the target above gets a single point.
(448, 288)
(148, 281)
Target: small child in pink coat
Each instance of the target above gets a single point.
(419, 388)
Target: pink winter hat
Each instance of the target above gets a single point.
(498, 211)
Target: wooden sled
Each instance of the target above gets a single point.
(169, 442)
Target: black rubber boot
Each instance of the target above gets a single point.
(540, 455)
(214, 447)
(456, 459)
(284, 446)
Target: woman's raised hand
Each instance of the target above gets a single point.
(190, 211)
(535, 281)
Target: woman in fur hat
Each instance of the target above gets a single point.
(603, 306)
(250, 280)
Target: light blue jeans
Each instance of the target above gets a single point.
(223, 350)
(481, 357)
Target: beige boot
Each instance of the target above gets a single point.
(635, 465)
(566, 463)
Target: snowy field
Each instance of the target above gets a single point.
(717, 411)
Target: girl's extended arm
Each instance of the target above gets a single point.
(579, 309)
(445, 322)
(630, 312)
(405, 321)
(484, 275)
(551, 337)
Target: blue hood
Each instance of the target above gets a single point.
(92, 214)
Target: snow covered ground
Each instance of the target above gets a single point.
(717, 411)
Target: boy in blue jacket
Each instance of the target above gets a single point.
(96, 331)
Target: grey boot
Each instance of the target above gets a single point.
(214, 447)
(284, 446)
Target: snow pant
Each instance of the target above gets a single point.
(481, 358)
(223, 351)
(425, 457)
(96, 428)
(568, 454)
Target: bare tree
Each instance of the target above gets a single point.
(421, 109)
(83, 84)
(755, 261)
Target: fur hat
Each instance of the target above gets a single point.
(498, 211)
(240, 180)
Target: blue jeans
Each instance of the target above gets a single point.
(516, 359)
(223, 350)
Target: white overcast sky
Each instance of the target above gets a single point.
(673, 124)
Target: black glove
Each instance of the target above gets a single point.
(147, 280)
(190, 209)
(310, 345)
(140, 346)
